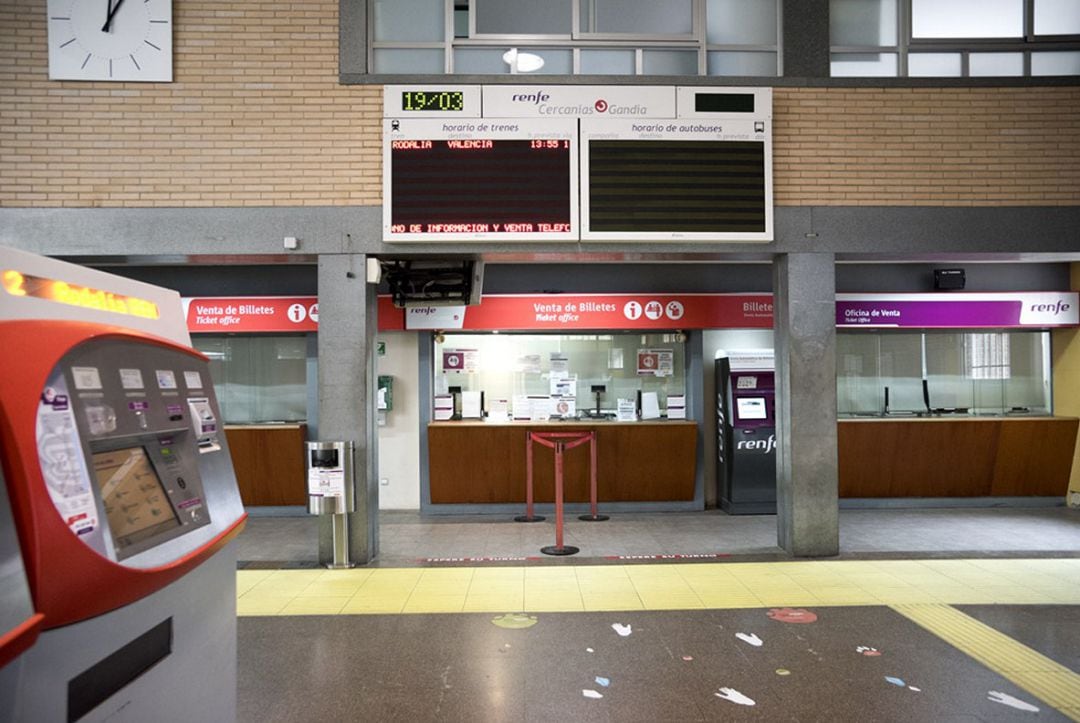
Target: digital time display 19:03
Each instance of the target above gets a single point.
(436, 100)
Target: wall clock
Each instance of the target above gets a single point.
(110, 40)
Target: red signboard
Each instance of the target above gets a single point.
(249, 314)
(506, 312)
(567, 312)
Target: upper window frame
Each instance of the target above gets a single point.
(1026, 43)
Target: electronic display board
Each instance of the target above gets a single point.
(461, 180)
(684, 179)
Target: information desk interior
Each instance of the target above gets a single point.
(473, 462)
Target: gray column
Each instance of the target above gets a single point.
(804, 299)
(347, 323)
(806, 38)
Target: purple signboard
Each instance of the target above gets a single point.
(958, 311)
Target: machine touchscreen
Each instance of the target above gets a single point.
(751, 408)
(135, 500)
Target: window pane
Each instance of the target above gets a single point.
(996, 64)
(461, 22)
(862, 22)
(1060, 63)
(638, 17)
(670, 62)
(480, 61)
(556, 62)
(409, 20)
(740, 63)
(523, 17)
(258, 378)
(863, 65)
(967, 19)
(935, 65)
(1057, 17)
(607, 62)
(408, 60)
(742, 22)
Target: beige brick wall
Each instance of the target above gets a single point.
(937, 146)
(255, 117)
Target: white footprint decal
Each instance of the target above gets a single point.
(734, 696)
(752, 639)
(1006, 699)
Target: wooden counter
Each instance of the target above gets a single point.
(269, 462)
(480, 462)
(956, 457)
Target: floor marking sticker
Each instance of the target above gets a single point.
(792, 615)
(514, 621)
(1006, 699)
(734, 696)
(752, 639)
(622, 630)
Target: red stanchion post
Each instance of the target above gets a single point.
(559, 548)
(593, 516)
(528, 516)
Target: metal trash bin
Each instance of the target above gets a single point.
(330, 491)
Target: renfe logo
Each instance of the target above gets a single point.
(765, 446)
(536, 98)
(1059, 308)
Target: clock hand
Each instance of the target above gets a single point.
(108, 20)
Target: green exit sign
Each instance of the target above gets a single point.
(380, 348)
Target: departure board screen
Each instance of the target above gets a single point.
(480, 186)
(676, 186)
(699, 180)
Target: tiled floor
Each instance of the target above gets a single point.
(690, 586)
(927, 615)
(406, 538)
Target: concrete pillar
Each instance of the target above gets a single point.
(804, 301)
(1065, 346)
(347, 388)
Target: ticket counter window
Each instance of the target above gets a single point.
(965, 373)
(258, 378)
(593, 371)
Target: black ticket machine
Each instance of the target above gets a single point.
(746, 431)
(123, 497)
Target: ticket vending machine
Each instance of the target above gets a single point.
(746, 429)
(20, 624)
(124, 499)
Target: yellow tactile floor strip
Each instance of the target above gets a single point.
(1042, 677)
(657, 587)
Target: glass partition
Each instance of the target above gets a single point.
(258, 378)
(965, 372)
(521, 368)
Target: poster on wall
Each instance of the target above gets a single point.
(655, 362)
(460, 360)
(528, 364)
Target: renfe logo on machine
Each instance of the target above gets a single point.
(765, 446)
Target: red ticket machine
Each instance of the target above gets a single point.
(124, 499)
(19, 623)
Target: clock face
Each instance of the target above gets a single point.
(110, 40)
